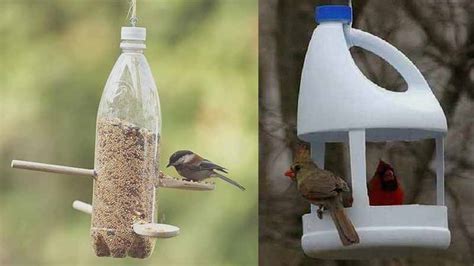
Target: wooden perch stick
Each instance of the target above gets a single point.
(156, 230)
(82, 206)
(165, 181)
(171, 182)
(51, 168)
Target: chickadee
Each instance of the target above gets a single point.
(193, 167)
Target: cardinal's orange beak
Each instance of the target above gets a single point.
(290, 174)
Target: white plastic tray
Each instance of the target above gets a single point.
(384, 231)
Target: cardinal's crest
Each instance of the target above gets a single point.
(382, 167)
(302, 153)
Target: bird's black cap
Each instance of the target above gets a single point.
(175, 156)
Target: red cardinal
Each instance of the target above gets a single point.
(384, 187)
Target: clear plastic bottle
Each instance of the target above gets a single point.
(126, 153)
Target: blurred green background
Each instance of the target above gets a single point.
(55, 57)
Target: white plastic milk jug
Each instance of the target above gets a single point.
(336, 97)
(337, 103)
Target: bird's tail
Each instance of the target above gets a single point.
(344, 226)
(225, 178)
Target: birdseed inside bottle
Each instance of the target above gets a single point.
(126, 164)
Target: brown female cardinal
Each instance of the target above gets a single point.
(323, 188)
(384, 187)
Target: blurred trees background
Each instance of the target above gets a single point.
(55, 57)
(438, 36)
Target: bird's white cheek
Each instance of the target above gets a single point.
(186, 158)
(178, 162)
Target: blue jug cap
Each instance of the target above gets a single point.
(334, 13)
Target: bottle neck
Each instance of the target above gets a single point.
(332, 23)
(132, 46)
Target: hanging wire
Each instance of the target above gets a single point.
(132, 13)
(352, 10)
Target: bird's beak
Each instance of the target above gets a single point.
(290, 174)
(169, 164)
(388, 175)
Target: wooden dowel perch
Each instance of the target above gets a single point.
(82, 206)
(165, 181)
(51, 168)
(171, 182)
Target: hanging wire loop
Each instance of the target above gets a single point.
(132, 13)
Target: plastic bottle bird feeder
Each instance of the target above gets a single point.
(337, 103)
(126, 171)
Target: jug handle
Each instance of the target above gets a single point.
(391, 55)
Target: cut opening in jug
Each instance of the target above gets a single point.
(378, 70)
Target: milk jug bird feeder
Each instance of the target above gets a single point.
(126, 170)
(337, 103)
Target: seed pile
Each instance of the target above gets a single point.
(126, 163)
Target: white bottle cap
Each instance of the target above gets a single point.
(133, 34)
